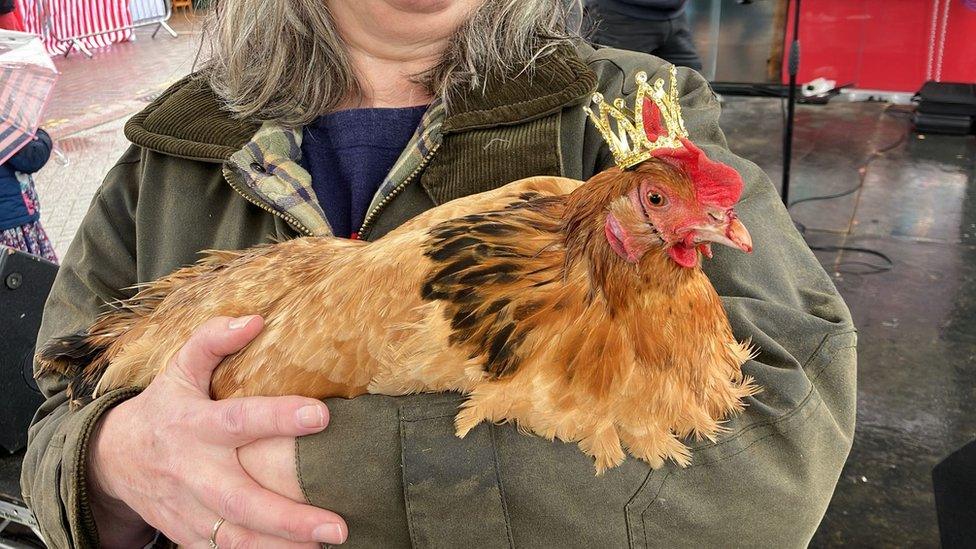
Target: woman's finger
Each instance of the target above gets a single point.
(242, 501)
(194, 524)
(239, 421)
(195, 362)
(231, 535)
(271, 462)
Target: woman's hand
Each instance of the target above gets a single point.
(167, 458)
(271, 463)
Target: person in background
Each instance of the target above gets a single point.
(20, 216)
(9, 18)
(657, 27)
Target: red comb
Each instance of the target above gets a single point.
(715, 183)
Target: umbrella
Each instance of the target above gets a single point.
(27, 77)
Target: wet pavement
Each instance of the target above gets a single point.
(917, 321)
(122, 78)
(88, 108)
(66, 184)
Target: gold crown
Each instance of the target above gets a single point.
(630, 144)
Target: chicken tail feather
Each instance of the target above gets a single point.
(84, 356)
(80, 357)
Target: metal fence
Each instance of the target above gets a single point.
(124, 16)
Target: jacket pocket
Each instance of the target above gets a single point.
(451, 486)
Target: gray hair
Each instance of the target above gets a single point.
(283, 60)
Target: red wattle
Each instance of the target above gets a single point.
(686, 256)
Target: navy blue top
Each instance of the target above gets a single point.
(15, 209)
(349, 153)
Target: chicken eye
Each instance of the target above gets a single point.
(656, 199)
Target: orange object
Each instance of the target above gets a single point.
(517, 300)
(577, 310)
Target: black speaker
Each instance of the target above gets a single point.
(946, 107)
(943, 124)
(954, 483)
(947, 98)
(25, 281)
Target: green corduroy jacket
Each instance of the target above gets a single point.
(392, 465)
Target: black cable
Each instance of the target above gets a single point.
(863, 173)
(871, 268)
(793, 68)
(903, 114)
(751, 89)
(787, 99)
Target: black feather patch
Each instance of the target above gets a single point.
(68, 356)
(482, 265)
(72, 351)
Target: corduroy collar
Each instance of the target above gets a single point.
(188, 121)
(559, 79)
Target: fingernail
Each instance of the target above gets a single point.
(311, 416)
(330, 533)
(239, 322)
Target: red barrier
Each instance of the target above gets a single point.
(891, 45)
(54, 19)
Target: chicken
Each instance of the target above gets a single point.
(577, 310)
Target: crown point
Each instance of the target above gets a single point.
(658, 92)
(630, 141)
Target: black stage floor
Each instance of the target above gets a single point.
(917, 322)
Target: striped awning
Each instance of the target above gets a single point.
(100, 23)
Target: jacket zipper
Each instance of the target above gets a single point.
(371, 216)
(228, 176)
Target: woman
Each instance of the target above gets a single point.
(257, 147)
(20, 214)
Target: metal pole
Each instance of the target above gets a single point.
(794, 66)
(715, 21)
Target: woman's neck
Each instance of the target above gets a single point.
(387, 58)
(386, 82)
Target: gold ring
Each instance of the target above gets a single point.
(213, 534)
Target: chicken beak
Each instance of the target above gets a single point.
(740, 237)
(731, 233)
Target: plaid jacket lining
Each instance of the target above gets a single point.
(270, 167)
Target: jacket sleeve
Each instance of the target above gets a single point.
(33, 156)
(100, 260)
